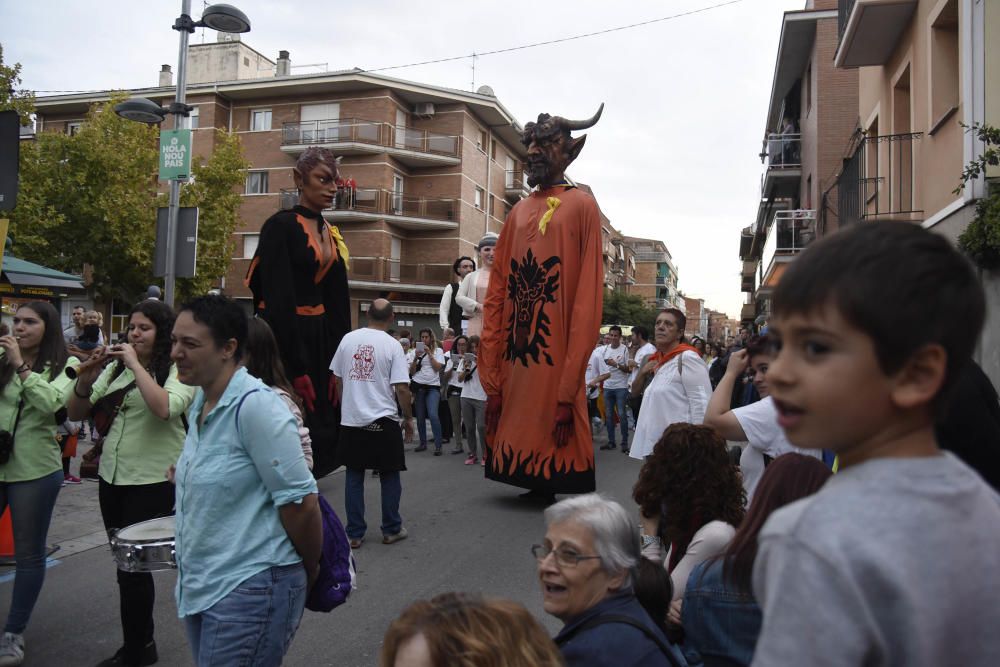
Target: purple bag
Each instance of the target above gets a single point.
(337, 572)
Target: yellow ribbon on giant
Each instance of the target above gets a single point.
(553, 203)
(338, 238)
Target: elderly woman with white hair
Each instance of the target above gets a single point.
(586, 567)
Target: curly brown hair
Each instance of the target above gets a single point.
(689, 478)
(469, 630)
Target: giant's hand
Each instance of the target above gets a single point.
(303, 386)
(564, 424)
(493, 409)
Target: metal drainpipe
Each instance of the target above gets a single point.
(489, 165)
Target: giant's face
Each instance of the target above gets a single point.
(548, 151)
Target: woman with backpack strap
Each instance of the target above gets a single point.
(33, 386)
(145, 437)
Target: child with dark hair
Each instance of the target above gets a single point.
(896, 561)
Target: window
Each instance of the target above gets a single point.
(256, 182)
(479, 198)
(493, 204)
(493, 149)
(481, 144)
(250, 245)
(397, 194)
(809, 87)
(260, 120)
(194, 118)
(944, 64)
(73, 129)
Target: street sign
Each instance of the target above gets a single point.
(185, 242)
(175, 154)
(10, 144)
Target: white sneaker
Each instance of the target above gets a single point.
(11, 649)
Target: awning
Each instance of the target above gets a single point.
(406, 308)
(24, 274)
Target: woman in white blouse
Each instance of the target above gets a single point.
(678, 387)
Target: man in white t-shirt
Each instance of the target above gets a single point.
(643, 350)
(371, 375)
(615, 373)
(757, 423)
(591, 377)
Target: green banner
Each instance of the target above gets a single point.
(175, 154)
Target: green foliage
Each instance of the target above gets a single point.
(981, 239)
(23, 102)
(92, 199)
(216, 193)
(620, 308)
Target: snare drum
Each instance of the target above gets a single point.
(147, 546)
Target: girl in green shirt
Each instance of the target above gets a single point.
(33, 386)
(145, 438)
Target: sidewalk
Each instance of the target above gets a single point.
(76, 521)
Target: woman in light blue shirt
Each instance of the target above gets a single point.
(249, 531)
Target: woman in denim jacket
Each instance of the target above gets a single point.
(720, 616)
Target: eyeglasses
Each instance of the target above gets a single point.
(564, 557)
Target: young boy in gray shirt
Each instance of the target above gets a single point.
(896, 561)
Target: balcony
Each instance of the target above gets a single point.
(373, 205)
(661, 280)
(355, 136)
(748, 312)
(652, 257)
(384, 270)
(515, 186)
(662, 303)
(748, 276)
(870, 30)
(788, 235)
(782, 156)
(876, 182)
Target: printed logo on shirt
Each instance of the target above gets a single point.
(530, 286)
(363, 364)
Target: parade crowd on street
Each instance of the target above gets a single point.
(819, 492)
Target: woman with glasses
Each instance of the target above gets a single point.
(586, 567)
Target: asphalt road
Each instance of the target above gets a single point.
(466, 534)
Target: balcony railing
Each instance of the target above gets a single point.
(789, 234)
(782, 151)
(651, 257)
(514, 182)
(661, 280)
(386, 270)
(374, 201)
(876, 182)
(844, 9)
(360, 131)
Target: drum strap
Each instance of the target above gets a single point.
(239, 406)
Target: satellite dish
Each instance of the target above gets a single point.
(486, 90)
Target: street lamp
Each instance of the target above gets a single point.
(223, 18)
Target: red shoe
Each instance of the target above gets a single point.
(471, 461)
(70, 479)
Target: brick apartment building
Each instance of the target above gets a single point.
(435, 168)
(811, 116)
(697, 317)
(655, 273)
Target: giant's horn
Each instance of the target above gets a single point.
(573, 125)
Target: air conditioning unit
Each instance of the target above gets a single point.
(424, 109)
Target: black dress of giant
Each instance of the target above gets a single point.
(307, 305)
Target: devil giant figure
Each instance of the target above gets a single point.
(542, 309)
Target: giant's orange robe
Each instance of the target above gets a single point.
(542, 311)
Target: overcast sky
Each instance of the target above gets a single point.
(674, 157)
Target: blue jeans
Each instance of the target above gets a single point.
(31, 505)
(254, 624)
(616, 398)
(354, 500)
(427, 400)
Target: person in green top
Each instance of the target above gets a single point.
(33, 386)
(145, 438)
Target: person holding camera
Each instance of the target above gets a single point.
(427, 362)
(145, 438)
(33, 387)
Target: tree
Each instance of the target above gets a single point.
(215, 193)
(11, 97)
(92, 199)
(981, 238)
(628, 309)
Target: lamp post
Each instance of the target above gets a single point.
(223, 18)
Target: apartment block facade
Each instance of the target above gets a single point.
(934, 67)
(434, 168)
(811, 116)
(655, 273)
